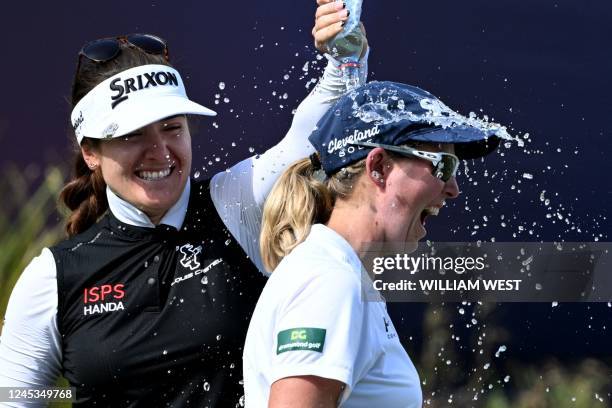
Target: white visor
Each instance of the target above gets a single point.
(132, 99)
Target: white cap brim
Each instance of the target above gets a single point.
(146, 112)
(132, 99)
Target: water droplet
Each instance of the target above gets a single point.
(527, 261)
(206, 386)
(222, 85)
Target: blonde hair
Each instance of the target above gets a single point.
(297, 201)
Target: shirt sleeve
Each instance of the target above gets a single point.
(30, 344)
(319, 331)
(239, 193)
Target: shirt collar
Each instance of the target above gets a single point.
(340, 246)
(128, 214)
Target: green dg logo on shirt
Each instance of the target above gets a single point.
(301, 338)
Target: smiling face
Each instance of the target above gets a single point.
(147, 168)
(407, 193)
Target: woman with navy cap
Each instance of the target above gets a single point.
(387, 158)
(148, 300)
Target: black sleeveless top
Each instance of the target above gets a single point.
(154, 317)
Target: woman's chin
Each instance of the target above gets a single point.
(417, 232)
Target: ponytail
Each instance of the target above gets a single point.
(84, 196)
(297, 201)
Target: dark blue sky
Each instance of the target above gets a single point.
(542, 67)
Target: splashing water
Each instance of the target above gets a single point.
(506, 196)
(378, 109)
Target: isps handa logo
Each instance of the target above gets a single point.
(103, 298)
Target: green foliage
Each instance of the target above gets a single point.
(26, 221)
(473, 373)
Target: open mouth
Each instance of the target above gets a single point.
(149, 175)
(427, 212)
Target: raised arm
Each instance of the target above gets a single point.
(239, 194)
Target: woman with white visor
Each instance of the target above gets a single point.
(147, 302)
(387, 158)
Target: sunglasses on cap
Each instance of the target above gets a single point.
(105, 49)
(445, 165)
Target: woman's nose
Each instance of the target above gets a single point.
(451, 188)
(156, 144)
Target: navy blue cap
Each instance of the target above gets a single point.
(395, 114)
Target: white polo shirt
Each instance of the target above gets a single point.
(311, 320)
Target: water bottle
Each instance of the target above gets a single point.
(348, 44)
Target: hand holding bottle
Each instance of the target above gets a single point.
(339, 32)
(331, 19)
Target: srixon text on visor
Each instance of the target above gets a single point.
(122, 87)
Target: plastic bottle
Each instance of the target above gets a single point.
(348, 44)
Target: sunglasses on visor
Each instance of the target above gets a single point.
(445, 165)
(105, 49)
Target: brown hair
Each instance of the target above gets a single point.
(85, 194)
(297, 201)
